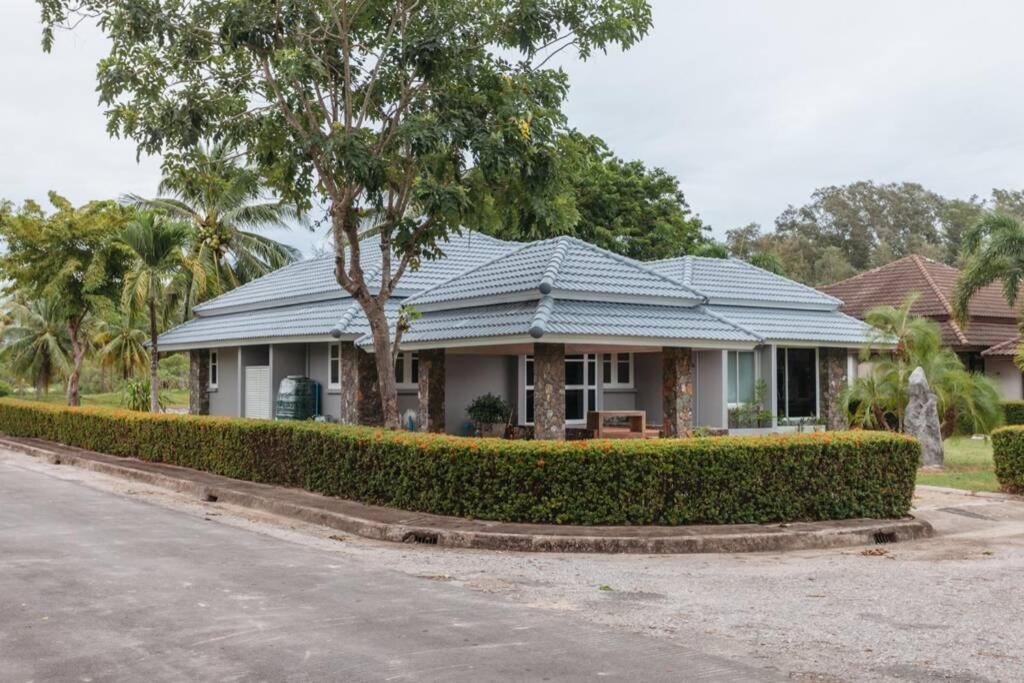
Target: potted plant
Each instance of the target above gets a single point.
(490, 414)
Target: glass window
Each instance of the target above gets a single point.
(617, 369)
(214, 370)
(334, 367)
(414, 363)
(606, 369)
(624, 368)
(575, 406)
(740, 377)
(580, 383)
(797, 383)
(400, 368)
(573, 370)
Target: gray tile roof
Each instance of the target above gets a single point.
(797, 325)
(562, 264)
(299, 320)
(732, 280)
(589, 318)
(314, 278)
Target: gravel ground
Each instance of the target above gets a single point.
(947, 608)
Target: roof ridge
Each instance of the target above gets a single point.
(869, 271)
(688, 269)
(523, 246)
(941, 297)
(547, 283)
(540, 319)
(639, 265)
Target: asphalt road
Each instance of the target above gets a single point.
(97, 586)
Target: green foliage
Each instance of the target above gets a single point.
(994, 252)
(753, 414)
(879, 400)
(1008, 455)
(723, 480)
(35, 346)
(1013, 412)
(489, 410)
(594, 195)
(136, 395)
(120, 344)
(224, 205)
(5, 389)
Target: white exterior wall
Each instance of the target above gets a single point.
(1006, 375)
(468, 376)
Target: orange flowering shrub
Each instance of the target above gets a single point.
(712, 480)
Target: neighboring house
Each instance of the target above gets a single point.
(987, 343)
(558, 328)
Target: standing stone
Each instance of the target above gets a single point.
(677, 392)
(431, 391)
(199, 382)
(833, 380)
(349, 379)
(549, 391)
(922, 419)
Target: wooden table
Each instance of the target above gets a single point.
(637, 424)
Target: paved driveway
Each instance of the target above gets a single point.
(98, 586)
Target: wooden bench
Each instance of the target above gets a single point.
(637, 424)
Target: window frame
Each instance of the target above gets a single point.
(213, 372)
(333, 363)
(754, 358)
(410, 361)
(588, 388)
(784, 416)
(614, 359)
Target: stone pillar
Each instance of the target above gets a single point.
(199, 382)
(430, 414)
(677, 391)
(832, 380)
(349, 378)
(549, 391)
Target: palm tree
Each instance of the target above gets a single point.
(224, 202)
(36, 343)
(121, 345)
(158, 245)
(879, 400)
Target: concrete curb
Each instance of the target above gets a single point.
(990, 495)
(387, 524)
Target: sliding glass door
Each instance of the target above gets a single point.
(796, 383)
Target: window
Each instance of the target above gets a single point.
(407, 370)
(214, 370)
(740, 377)
(580, 387)
(617, 370)
(796, 380)
(334, 367)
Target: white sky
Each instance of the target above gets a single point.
(752, 104)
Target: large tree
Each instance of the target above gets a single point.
(592, 194)
(225, 204)
(157, 246)
(370, 106)
(35, 341)
(68, 256)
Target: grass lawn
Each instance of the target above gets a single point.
(968, 466)
(173, 398)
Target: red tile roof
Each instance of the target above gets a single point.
(990, 322)
(1007, 348)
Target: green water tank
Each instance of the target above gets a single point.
(298, 398)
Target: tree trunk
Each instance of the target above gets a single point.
(154, 362)
(948, 423)
(78, 356)
(385, 365)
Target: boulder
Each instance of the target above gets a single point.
(922, 419)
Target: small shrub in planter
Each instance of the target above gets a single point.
(490, 414)
(1008, 456)
(1013, 411)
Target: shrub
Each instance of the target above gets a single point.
(831, 475)
(5, 388)
(488, 410)
(135, 395)
(1013, 412)
(1008, 455)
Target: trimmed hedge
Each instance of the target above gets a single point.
(1013, 411)
(669, 481)
(1008, 455)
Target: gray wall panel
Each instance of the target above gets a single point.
(224, 400)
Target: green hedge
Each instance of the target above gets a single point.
(1013, 412)
(684, 481)
(1008, 455)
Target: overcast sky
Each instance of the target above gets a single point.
(752, 104)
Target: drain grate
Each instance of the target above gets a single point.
(419, 537)
(883, 537)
